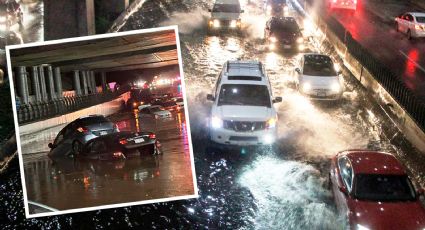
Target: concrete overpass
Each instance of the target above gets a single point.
(56, 79)
(65, 18)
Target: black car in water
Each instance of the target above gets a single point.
(283, 34)
(276, 8)
(120, 145)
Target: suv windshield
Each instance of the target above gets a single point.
(383, 188)
(420, 19)
(251, 95)
(319, 66)
(282, 26)
(227, 8)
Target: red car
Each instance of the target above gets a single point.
(373, 190)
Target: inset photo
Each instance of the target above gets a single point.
(101, 121)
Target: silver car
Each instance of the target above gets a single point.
(72, 138)
(412, 24)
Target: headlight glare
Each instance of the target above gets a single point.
(233, 23)
(271, 123)
(300, 40)
(361, 227)
(273, 39)
(216, 122)
(306, 87)
(336, 87)
(216, 23)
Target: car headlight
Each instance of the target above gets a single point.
(216, 23)
(273, 39)
(233, 23)
(336, 87)
(269, 9)
(271, 123)
(300, 40)
(285, 9)
(216, 123)
(268, 139)
(306, 87)
(301, 47)
(361, 227)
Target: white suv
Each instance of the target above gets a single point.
(412, 24)
(318, 77)
(225, 15)
(243, 113)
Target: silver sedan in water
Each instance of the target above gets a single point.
(71, 139)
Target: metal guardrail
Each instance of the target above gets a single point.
(43, 110)
(392, 83)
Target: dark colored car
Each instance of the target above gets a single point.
(72, 138)
(120, 145)
(138, 97)
(283, 33)
(373, 191)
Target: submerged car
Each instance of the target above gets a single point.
(121, 145)
(156, 111)
(373, 191)
(283, 33)
(318, 79)
(225, 15)
(72, 138)
(412, 24)
(242, 113)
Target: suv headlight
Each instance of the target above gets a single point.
(216, 23)
(273, 39)
(216, 122)
(306, 87)
(336, 87)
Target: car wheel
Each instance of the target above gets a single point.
(77, 147)
(409, 35)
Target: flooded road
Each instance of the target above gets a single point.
(284, 188)
(68, 183)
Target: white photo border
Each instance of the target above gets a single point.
(92, 37)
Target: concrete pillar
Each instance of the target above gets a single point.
(58, 82)
(93, 79)
(104, 87)
(42, 83)
(83, 78)
(22, 84)
(36, 84)
(51, 83)
(76, 83)
(65, 18)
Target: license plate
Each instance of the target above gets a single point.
(286, 46)
(137, 141)
(103, 133)
(321, 94)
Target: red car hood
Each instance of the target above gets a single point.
(388, 215)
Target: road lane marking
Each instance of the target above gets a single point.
(414, 62)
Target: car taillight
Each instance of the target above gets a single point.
(123, 141)
(334, 1)
(152, 136)
(118, 155)
(82, 130)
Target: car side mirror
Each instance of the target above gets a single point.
(210, 97)
(242, 11)
(277, 99)
(51, 145)
(298, 70)
(209, 10)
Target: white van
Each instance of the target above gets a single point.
(242, 113)
(225, 15)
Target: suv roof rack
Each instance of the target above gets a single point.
(246, 65)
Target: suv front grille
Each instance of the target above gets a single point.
(244, 126)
